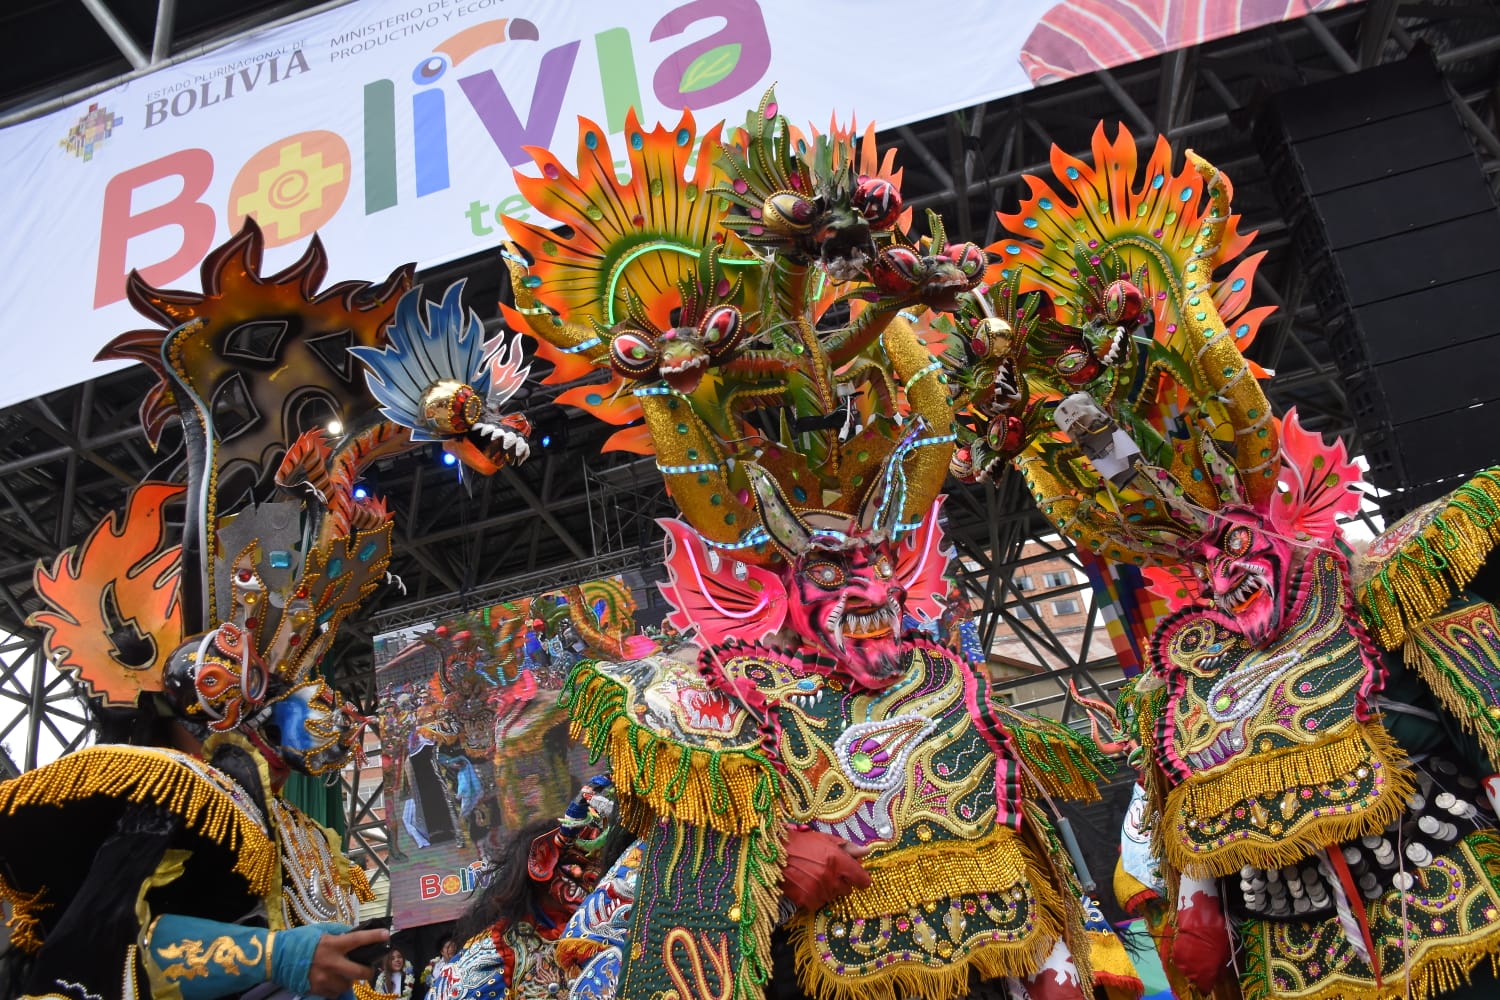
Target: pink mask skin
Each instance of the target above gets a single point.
(1246, 572)
(850, 604)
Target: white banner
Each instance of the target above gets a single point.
(391, 127)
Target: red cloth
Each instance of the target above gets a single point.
(1200, 949)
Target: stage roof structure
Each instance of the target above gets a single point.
(570, 514)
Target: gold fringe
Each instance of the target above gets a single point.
(908, 979)
(1460, 704)
(358, 881)
(25, 920)
(1417, 580)
(905, 879)
(364, 991)
(900, 980)
(143, 774)
(989, 961)
(761, 886)
(731, 790)
(573, 954)
(1272, 774)
(1332, 755)
(1050, 864)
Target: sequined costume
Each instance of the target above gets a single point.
(1313, 729)
(806, 455)
(203, 612)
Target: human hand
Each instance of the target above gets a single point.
(820, 868)
(332, 971)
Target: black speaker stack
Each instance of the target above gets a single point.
(1392, 217)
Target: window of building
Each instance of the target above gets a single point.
(1023, 611)
(1066, 606)
(1023, 583)
(1054, 580)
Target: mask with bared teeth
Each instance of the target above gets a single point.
(840, 572)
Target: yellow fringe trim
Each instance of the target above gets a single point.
(573, 954)
(364, 991)
(1469, 713)
(905, 879)
(1113, 968)
(731, 790)
(142, 774)
(954, 980)
(359, 881)
(25, 920)
(1418, 579)
(909, 979)
(1332, 755)
(1050, 864)
(1268, 774)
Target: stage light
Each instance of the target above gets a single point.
(335, 427)
(546, 440)
(360, 492)
(449, 458)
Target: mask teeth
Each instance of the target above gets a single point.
(836, 623)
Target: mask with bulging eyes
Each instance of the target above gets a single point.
(1246, 572)
(848, 603)
(844, 575)
(217, 681)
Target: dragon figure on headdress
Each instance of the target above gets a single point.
(1317, 726)
(175, 865)
(746, 308)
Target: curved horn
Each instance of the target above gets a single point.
(880, 516)
(786, 529)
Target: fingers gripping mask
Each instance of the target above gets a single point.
(1245, 570)
(567, 860)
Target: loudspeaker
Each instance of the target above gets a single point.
(1391, 215)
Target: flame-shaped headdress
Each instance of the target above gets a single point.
(254, 367)
(707, 323)
(1159, 421)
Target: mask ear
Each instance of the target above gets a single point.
(786, 529)
(920, 564)
(715, 593)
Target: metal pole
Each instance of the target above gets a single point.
(117, 33)
(161, 44)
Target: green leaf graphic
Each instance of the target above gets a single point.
(709, 68)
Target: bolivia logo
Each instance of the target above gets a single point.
(293, 186)
(90, 132)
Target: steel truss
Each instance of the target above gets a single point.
(570, 513)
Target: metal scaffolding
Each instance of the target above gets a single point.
(571, 514)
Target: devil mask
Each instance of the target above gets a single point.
(846, 597)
